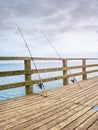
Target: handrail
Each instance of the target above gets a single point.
(28, 71)
(44, 58)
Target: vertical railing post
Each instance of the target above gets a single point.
(84, 76)
(65, 80)
(28, 88)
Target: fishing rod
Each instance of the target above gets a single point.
(41, 85)
(74, 79)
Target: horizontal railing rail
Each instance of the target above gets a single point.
(22, 72)
(40, 58)
(65, 69)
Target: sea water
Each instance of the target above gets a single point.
(20, 91)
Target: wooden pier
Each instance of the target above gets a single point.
(65, 108)
(68, 107)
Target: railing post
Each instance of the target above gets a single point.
(84, 76)
(65, 80)
(28, 88)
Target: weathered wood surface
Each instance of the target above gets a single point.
(28, 72)
(32, 71)
(65, 80)
(28, 88)
(84, 70)
(65, 108)
(44, 58)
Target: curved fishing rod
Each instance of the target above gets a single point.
(74, 79)
(41, 85)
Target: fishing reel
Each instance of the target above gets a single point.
(40, 85)
(73, 80)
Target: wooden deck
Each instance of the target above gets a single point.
(65, 108)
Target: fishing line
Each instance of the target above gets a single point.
(41, 85)
(74, 79)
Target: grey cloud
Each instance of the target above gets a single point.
(89, 27)
(61, 15)
(33, 8)
(77, 11)
(85, 9)
(54, 17)
(23, 9)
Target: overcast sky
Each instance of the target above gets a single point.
(70, 25)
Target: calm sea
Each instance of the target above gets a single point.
(16, 92)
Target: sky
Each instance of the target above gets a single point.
(70, 25)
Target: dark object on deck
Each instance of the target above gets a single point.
(95, 108)
(40, 85)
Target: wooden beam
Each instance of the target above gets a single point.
(22, 72)
(84, 76)
(27, 83)
(51, 69)
(44, 58)
(49, 79)
(65, 80)
(12, 73)
(91, 71)
(13, 85)
(15, 58)
(28, 88)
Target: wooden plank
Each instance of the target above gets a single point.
(78, 96)
(57, 77)
(58, 124)
(50, 79)
(28, 88)
(84, 76)
(69, 119)
(94, 126)
(92, 65)
(85, 125)
(38, 116)
(64, 106)
(44, 58)
(26, 105)
(29, 72)
(56, 121)
(20, 84)
(13, 73)
(28, 58)
(79, 120)
(56, 96)
(54, 91)
(29, 111)
(40, 58)
(65, 80)
(15, 58)
(13, 85)
(52, 69)
(21, 72)
(51, 121)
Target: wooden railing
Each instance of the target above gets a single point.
(28, 71)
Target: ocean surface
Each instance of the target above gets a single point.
(16, 92)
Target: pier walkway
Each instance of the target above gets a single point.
(65, 108)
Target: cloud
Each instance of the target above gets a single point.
(66, 13)
(60, 20)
